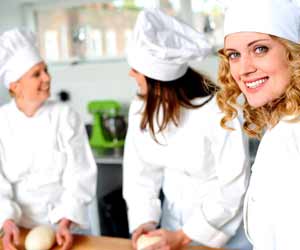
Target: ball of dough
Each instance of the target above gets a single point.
(40, 238)
(144, 241)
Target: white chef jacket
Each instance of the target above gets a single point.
(272, 204)
(202, 168)
(47, 168)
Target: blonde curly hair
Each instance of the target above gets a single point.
(267, 116)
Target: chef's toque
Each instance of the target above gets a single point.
(280, 18)
(161, 46)
(18, 54)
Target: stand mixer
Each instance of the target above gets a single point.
(109, 127)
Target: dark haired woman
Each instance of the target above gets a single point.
(175, 143)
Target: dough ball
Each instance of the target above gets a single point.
(40, 238)
(144, 241)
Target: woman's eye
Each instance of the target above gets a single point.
(261, 49)
(233, 55)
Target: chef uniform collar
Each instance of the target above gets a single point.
(21, 116)
(161, 46)
(280, 18)
(18, 54)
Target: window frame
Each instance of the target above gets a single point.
(185, 13)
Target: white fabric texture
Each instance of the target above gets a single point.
(18, 54)
(47, 168)
(202, 169)
(161, 46)
(280, 18)
(272, 202)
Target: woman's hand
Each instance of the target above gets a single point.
(142, 229)
(64, 236)
(11, 236)
(170, 240)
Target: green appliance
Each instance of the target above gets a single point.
(109, 126)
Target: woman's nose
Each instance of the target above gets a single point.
(247, 65)
(46, 77)
(131, 73)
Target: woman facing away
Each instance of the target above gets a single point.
(261, 61)
(175, 143)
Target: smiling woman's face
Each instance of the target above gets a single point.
(259, 65)
(34, 85)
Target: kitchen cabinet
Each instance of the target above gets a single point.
(111, 212)
(109, 172)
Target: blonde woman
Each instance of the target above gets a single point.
(261, 61)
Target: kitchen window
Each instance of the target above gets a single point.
(208, 16)
(87, 30)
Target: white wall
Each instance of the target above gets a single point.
(87, 81)
(10, 14)
(91, 81)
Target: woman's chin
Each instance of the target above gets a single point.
(256, 103)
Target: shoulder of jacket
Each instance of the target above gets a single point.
(58, 107)
(136, 107)
(5, 110)
(5, 107)
(6, 116)
(210, 111)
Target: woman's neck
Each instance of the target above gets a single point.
(29, 109)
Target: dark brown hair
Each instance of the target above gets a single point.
(169, 97)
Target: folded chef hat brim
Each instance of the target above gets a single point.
(161, 46)
(18, 54)
(280, 18)
(153, 67)
(19, 64)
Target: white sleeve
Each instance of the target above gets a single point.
(220, 214)
(142, 180)
(80, 175)
(9, 208)
(284, 211)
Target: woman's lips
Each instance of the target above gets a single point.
(253, 84)
(44, 88)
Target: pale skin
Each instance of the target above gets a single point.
(170, 240)
(32, 89)
(30, 92)
(140, 80)
(259, 65)
(11, 238)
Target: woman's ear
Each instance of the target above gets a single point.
(13, 88)
(12, 85)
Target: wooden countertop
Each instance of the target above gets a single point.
(82, 242)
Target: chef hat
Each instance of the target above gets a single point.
(162, 46)
(280, 18)
(18, 54)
